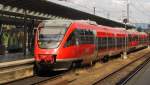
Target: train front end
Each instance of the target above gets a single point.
(48, 39)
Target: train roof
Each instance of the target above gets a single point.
(86, 21)
(66, 22)
(115, 30)
(133, 31)
(57, 22)
(143, 33)
(123, 29)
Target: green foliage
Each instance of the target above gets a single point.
(5, 38)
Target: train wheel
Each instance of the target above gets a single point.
(37, 69)
(76, 64)
(105, 59)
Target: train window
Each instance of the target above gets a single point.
(123, 41)
(99, 41)
(102, 42)
(71, 40)
(89, 32)
(91, 39)
(86, 32)
(129, 38)
(142, 40)
(119, 42)
(81, 32)
(85, 36)
(111, 42)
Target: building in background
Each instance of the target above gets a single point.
(142, 26)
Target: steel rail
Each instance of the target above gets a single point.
(99, 80)
(36, 80)
(134, 72)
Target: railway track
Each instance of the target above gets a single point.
(53, 77)
(134, 72)
(36, 80)
(145, 59)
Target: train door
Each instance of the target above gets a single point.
(96, 45)
(71, 47)
(79, 41)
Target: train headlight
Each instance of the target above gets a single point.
(48, 58)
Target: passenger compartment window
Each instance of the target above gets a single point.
(85, 36)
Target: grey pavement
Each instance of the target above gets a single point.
(13, 57)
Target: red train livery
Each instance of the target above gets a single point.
(62, 43)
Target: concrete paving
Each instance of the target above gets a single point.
(142, 77)
(13, 57)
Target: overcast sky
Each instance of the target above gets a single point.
(116, 9)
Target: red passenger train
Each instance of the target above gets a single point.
(62, 43)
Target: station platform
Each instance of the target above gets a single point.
(142, 77)
(13, 57)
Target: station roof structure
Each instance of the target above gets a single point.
(49, 8)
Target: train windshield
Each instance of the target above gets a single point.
(51, 36)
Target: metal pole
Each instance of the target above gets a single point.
(30, 36)
(127, 10)
(125, 46)
(126, 21)
(1, 34)
(25, 32)
(148, 40)
(108, 15)
(94, 10)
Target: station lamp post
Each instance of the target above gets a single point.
(124, 56)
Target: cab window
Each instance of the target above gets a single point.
(71, 40)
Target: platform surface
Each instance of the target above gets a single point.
(13, 57)
(142, 77)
